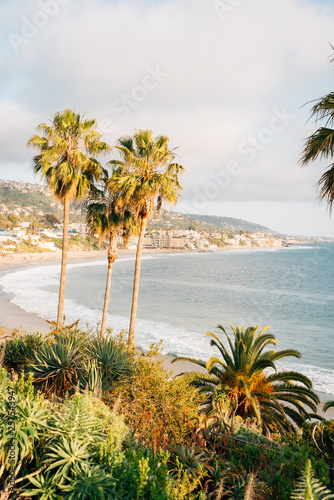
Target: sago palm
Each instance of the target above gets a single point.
(145, 174)
(66, 160)
(320, 145)
(241, 382)
(106, 216)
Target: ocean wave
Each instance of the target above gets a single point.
(102, 262)
(27, 290)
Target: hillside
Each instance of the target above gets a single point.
(14, 198)
(35, 197)
(208, 223)
(231, 224)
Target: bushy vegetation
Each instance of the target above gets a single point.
(94, 420)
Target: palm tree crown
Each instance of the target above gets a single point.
(146, 172)
(241, 382)
(321, 145)
(67, 151)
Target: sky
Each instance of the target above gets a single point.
(230, 82)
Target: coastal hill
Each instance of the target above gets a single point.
(21, 195)
(230, 223)
(207, 223)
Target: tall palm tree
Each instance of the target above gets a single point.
(67, 162)
(239, 382)
(145, 174)
(106, 216)
(321, 145)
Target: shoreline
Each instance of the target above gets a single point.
(13, 317)
(9, 312)
(12, 260)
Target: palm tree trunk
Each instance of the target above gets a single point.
(112, 256)
(136, 282)
(63, 262)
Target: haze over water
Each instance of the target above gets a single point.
(184, 295)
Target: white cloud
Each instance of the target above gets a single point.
(225, 80)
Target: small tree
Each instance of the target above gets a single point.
(107, 217)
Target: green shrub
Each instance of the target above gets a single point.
(20, 350)
(154, 402)
(143, 475)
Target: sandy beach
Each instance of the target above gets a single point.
(10, 260)
(12, 317)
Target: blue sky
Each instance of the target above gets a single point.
(225, 80)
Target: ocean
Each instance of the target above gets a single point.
(182, 296)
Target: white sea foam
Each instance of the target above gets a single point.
(28, 289)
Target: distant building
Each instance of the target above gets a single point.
(165, 241)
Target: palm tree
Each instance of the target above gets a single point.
(321, 145)
(106, 216)
(329, 404)
(239, 382)
(67, 162)
(145, 174)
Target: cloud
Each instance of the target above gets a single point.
(224, 78)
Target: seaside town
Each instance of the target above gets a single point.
(35, 226)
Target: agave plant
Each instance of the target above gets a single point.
(93, 483)
(77, 418)
(239, 382)
(31, 422)
(41, 486)
(190, 458)
(309, 488)
(112, 359)
(222, 475)
(68, 457)
(5, 384)
(55, 366)
(91, 379)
